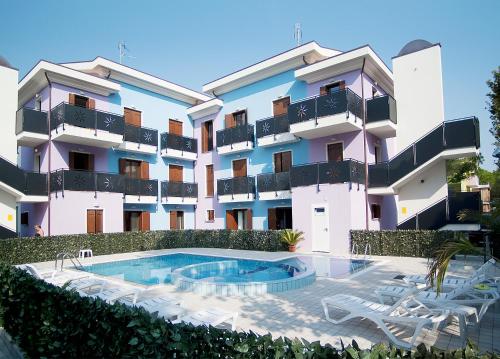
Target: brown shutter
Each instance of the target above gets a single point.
(231, 222)
(91, 103)
(229, 120)
(90, 165)
(211, 215)
(240, 168)
(204, 137)
(173, 220)
(286, 161)
(132, 117)
(280, 107)
(277, 162)
(342, 85)
(98, 221)
(90, 221)
(175, 173)
(175, 127)
(210, 180)
(144, 170)
(122, 164)
(323, 90)
(271, 218)
(71, 160)
(71, 99)
(249, 218)
(145, 220)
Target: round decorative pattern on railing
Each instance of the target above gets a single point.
(79, 116)
(266, 127)
(302, 111)
(108, 183)
(331, 103)
(148, 136)
(189, 189)
(149, 187)
(79, 181)
(226, 187)
(108, 121)
(189, 144)
(59, 180)
(266, 181)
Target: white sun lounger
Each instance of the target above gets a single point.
(406, 312)
(56, 277)
(111, 293)
(167, 307)
(213, 317)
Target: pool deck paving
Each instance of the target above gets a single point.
(298, 313)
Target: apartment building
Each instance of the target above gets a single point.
(313, 138)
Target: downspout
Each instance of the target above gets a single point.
(49, 152)
(363, 103)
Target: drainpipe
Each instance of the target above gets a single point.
(49, 152)
(367, 224)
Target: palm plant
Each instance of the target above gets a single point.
(292, 237)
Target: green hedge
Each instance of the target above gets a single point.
(411, 243)
(36, 249)
(51, 322)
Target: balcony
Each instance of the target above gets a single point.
(140, 191)
(272, 186)
(381, 118)
(235, 139)
(139, 140)
(31, 127)
(179, 193)
(326, 115)
(74, 124)
(274, 131)
(452, 139)
(314, 174)
(24, 185)
(236, 189)
(179, 147)
(86, 181)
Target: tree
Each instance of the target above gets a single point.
(494, 107)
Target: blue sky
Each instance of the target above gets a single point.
(192, 43)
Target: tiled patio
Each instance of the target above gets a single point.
(298, 313)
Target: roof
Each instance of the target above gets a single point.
(415, 46)
(290, 59)
(106, 68)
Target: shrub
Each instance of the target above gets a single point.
(47, 321)
(36, 249)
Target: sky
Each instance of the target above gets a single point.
(194, 42)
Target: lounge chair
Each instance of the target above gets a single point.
(56, 277)
(407, 312)
(167, 307)
(210, 317)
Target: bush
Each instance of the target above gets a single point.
(411, 243)
(47, 321)
(36, 249)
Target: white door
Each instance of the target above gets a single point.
(321, 232)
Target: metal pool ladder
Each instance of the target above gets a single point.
(355, 251)
(71, 257)
(368, 251)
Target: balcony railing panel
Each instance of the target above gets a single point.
(65, 113)
(141, 187)
(110, 182)
(272, 126)
(26, 182)
(401, 165)
(429, 146)
(179, 189)
(30, 120)
(381, 108)
(302, 111)
(461, 201)
(230, 136)
(142, 135)
(180, 143)
(273, 182)
(327, 172)
(462, 133)
(304, 175)
(379, 175)
(236, 185)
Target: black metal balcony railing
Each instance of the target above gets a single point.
(65, 113)
(272, 126)
(142, 135)
(230, 136)
(236, 185)
(26, 182)
(30, 120)
(455, 134)
(141, 187)
(444, 212)
(179, 189)
(76, 180)
(273, 182)
(327, 172)
(342, 101)
(381, 108)
(180, 143)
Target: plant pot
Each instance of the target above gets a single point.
(292, 247)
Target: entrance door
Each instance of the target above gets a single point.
(240, 168)
(175, 173)
(239, 219)
(175, 127)
(94, 220)
(320, 226)
(131, 221)
(176, 220)
(335, 151)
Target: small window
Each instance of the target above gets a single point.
(81, 101)
(207, 141)
(210, 215)
(378, 154)
(332, 88)
(25, 218)
(375, 211)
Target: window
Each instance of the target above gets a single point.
(378, 154)
(94, 221)
(81, 101)
(134, 221)
(210, 180)
(176, 220)
(335, 151)
(210, 215)
(25, 218)
(332, 87)
(280, 107)
(207, 136)
(282, 161)
(132, 117)
(375, 211)
(279, 218)
(234, 119)
(132, 168)
(239, 219)
(81, 161)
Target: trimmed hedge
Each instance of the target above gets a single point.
(51, 322)
(413, 243)
(39, 249)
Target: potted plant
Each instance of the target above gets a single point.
(291, 237)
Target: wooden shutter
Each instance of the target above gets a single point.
(249, 218)
(98, 221)
(144, 170)
(240, 168)
(280, 107)
(90, 221)
(323, 90)
(71, 99)
(271, 218)
(175, 173)
(175, 127)
(71, 161)
(229, 120)
(145, 221)
(210, 180)
(173, 220)
(277, 162)
(90, 164)
(211, 215)
(91, 103)
(122, 165)
(231, 222)
(204, 137)
(132, 117)
(286, 161)
(335, 152)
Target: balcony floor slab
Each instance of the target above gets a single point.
(382, 129)
(236, 198)
(275, 195)
(130, 199)
(137, 148)
(235, 148)
(326, 126)
(31, 139)
(179, 200)
(86, 136)
(276, 140)
(180, 155)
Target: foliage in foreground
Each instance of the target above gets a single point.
(46, 321)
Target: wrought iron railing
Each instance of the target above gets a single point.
(26, 182)
(142, 135)
(232, 135)
(342, 101)
(180, 143)
(179, 189)
(454, 134)
(66, 114)
(273, 182)
(30, 120)
(236, 185)
(381, 108)
(141, 187)
(272, 126)
(327, 172)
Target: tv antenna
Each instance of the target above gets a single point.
(124, 51)
(297, 33)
